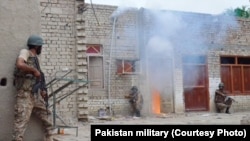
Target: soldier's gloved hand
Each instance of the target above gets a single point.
(37, 74)
(126, 96)
(43, 94)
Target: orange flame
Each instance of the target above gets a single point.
(156, 102)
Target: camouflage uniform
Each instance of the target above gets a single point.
(222, 101)
(28, 103)
(136, 101)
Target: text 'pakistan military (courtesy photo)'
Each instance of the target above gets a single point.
(171, 133)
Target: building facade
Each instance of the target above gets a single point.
(94, 54)
(177, 59)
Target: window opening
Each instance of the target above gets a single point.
(235, 74)
(227, 60)
(194, 59)
(126, 66)
(244, 60)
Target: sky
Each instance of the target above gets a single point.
(197, 6)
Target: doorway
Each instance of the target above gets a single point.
(195, 83)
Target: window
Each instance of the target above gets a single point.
(235, 74)
(95, 66)
(125, 66)
(194, 59)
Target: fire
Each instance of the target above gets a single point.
(156, 102)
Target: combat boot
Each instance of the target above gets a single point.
(48, 138)
(227, 111)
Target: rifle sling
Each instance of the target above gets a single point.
(37, 63)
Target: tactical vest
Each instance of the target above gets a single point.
(22, 80)
(218, 98)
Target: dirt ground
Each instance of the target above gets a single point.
(201, 118)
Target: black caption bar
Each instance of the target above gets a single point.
(102, 132)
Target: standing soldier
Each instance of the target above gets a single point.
(222, 101)
(136, 101)
(27, 73)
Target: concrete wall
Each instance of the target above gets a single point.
(19, 19)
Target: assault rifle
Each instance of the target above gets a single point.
(40, 85)
(225, 96)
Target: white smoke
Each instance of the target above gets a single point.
(119, 11)
(198, 6)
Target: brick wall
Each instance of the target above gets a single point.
(67, 31)
(119, 40)
(59, 52)
(235, 42)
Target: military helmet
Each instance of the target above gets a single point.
(221, 84)
(134, 88)
(35, 40)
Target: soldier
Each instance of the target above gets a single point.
(222, 101)
(26, 74)
(136, 101)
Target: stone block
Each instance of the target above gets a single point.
(245, 120)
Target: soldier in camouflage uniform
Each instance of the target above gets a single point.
(136, 101)
(222, 101)
(26, 74)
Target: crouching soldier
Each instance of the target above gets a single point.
(222, 101)
(135, 100)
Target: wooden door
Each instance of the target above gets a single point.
(95, 75)
(195, 83)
